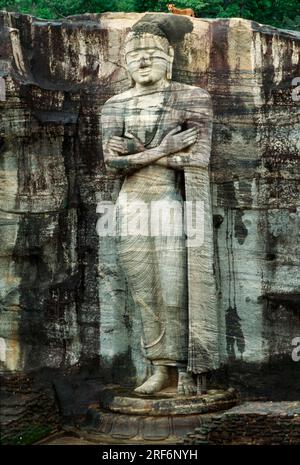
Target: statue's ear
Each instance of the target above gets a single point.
(170, 63)
(126, 64)
(128, 73)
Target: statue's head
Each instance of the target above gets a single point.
(149, 58)
(149, 51)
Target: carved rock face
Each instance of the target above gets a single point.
(62, 300)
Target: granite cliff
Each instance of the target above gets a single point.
(66, 315)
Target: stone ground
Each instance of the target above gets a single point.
(62, 439)
(251, 423)
(83, 437)
(255, 422)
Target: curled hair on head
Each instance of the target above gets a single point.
(171, 27)
(148, 28)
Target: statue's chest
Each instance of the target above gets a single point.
(146, 116)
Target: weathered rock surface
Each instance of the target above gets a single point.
(259, 423)
(28, 410)
(63, 300)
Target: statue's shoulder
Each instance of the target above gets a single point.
(119, 99)
(194, 92)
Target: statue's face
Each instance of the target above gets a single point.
(147, 58)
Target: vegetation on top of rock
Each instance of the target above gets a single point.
(278, 13)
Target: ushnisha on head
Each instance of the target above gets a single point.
(149, 53)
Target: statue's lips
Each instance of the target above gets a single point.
(144, 71)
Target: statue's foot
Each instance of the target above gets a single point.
(159, 380)
(186, 384)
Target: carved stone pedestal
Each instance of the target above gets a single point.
(165, 417)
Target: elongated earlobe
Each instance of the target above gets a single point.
(170, 63)
(169, 71)
(129, 77)
(131, 80)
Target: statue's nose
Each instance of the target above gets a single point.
(144, 61)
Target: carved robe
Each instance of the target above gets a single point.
(171, 281)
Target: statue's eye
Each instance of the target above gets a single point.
(133, 55)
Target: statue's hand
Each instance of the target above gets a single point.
(175, 141)
(125, 145)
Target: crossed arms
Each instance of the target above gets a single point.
(178, 149)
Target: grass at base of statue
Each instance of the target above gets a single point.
(26, 436)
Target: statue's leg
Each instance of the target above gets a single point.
(171, 288)
(137, 256)
(171, 263)
(155, 268)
